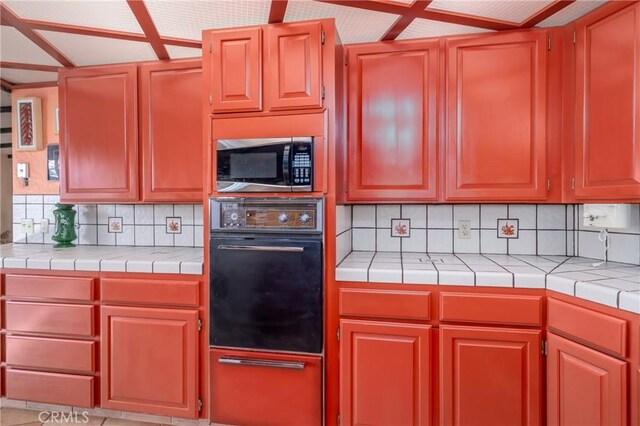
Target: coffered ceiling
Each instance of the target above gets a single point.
(39, 36)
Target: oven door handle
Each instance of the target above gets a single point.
(256, 362)
(261, 248)
(286, 164)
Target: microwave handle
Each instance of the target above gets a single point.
(286, 162)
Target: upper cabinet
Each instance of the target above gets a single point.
(270, 68)
(496, 117)
(607, 144)
(99, 140)
(392, 121)
(171, 131)
(124, 145)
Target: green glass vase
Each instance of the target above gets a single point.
(65, 231)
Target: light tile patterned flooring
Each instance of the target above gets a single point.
(18, 416)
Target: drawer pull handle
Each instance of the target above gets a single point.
(261, 248)
(254, 362)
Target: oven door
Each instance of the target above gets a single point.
(266, 293)
(253, 165)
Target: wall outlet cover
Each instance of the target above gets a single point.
(44, 226)
(26, 226)
(464, 229)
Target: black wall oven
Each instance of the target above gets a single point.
(266, 274)
(264, 165)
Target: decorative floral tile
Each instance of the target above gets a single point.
(508, 228)
(115, 225)
(174, 225)
(401, 228)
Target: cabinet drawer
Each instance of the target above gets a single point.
(602, 330)
(70, 288)
(157, 292)
(49, 318)
(385, 303)
(491, 309)
(52, 388)
(57, 354)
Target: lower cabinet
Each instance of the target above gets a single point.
(584, 386)
(490, 376)
(149, 360)
(385, 373)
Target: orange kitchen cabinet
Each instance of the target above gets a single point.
(171, 131)
(496, 93)
(392, 121)
(385, 373)
(584, 386)
(292, 68)
(149, 360)
(235, 69)
(607, 144)
(265, 388)
(98, 134)
(490, 376)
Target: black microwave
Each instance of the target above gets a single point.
(264, 165)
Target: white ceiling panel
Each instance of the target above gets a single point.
(571, 12)
(187, 18)
(89, 50)
(426, 28)
(512, 11)
(104, 14)
(15, 47)
(176, 52)
(27, 76)
(354, 25)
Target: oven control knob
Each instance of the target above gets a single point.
(304, 218)
(283, 217)
(234, 216)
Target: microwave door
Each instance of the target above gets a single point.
(253, 165)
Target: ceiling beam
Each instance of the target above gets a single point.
(277, 11)
(148, 27)
(405, 20)
(31, 67)
(12, 19)
(6, 85)
(551, 9)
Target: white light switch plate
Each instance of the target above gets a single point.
(27, 226)
(44, 226)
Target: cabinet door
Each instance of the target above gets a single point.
(385, 373)
(490, 376)
(171, 123)
(235, 70)
(149, 360)
(584, 386)
(608, 107)
(392, 121)
(293, 61)
(98, 134)
(496, 117)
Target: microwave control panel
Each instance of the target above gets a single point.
(302, 164)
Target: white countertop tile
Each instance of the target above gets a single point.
(612, 284)
(176, 260)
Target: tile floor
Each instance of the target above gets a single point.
(18, 416)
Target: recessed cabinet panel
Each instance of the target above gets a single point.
(584, 386)
(99, 140)
(496, 117)
(392, 120)
(293, 64)
(236, 70)
(608, 107)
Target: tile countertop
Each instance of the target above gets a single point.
(612, 284)
(161, 260)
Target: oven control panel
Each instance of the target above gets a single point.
(250, 214)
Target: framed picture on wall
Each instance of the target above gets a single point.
(53, 162)
(29, 124)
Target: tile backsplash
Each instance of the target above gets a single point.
(179, 225)
(534, 229)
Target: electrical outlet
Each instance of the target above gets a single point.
(464, 229)
(26, 226)
(44, 226)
